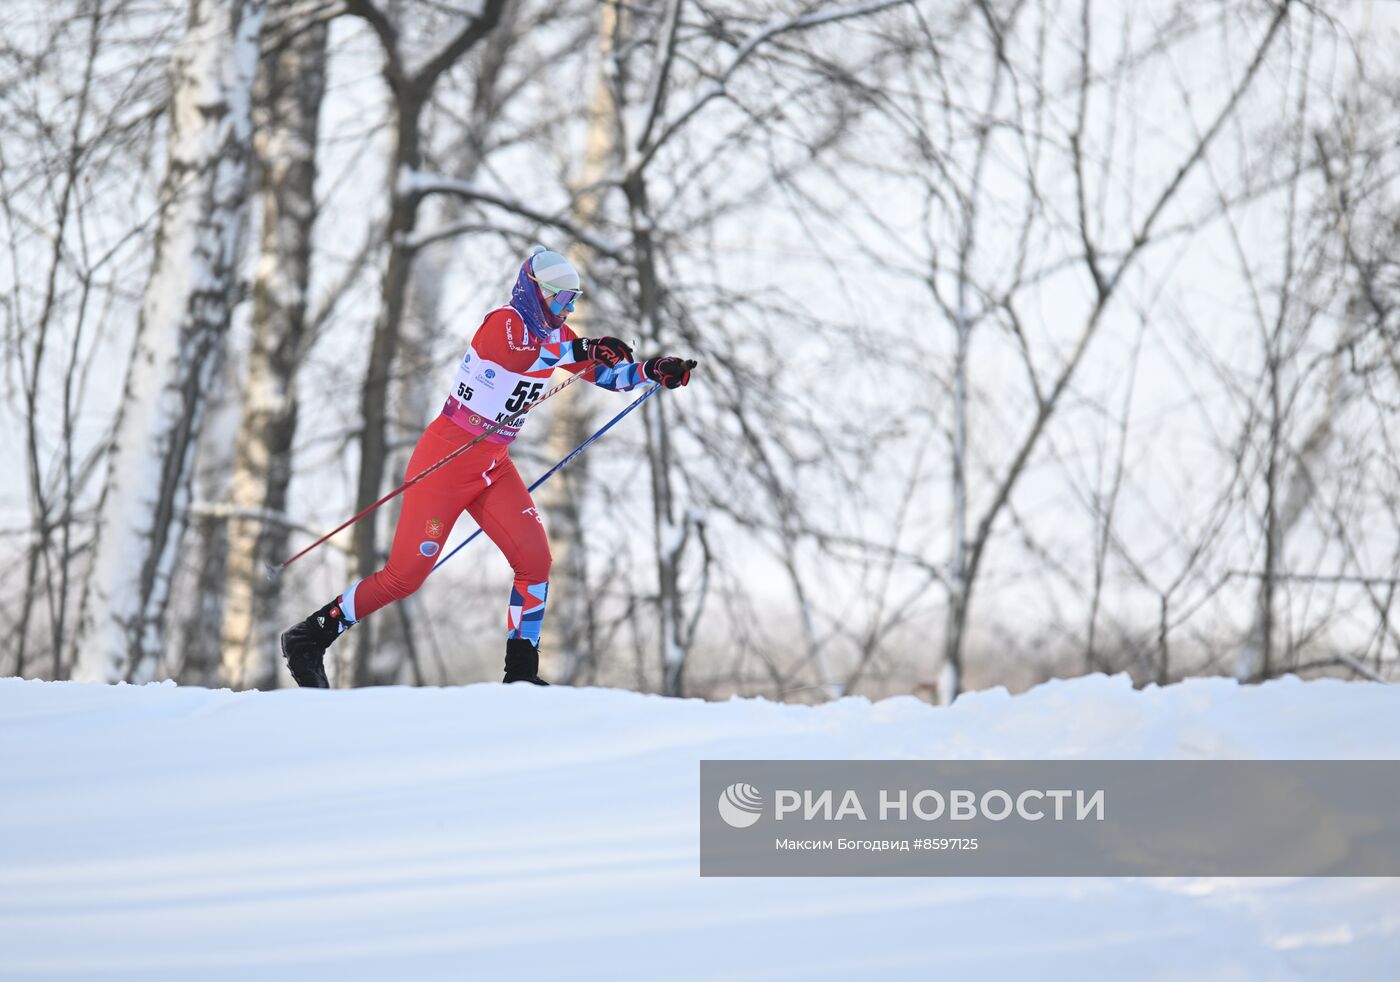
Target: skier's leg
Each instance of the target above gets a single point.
(430, 509)
(507, 514)
(428, 512)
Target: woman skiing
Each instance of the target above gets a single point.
(505, 369)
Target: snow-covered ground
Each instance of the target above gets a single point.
(494, 832)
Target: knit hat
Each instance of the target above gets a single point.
(552, 271)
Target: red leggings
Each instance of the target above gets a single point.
(484, 482)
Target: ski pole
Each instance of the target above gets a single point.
(571, 455)
(274, 571)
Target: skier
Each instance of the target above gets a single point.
(507, 366)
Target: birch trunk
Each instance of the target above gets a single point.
(179, 340)
(290, 87)
(196, 605)
(569, 632)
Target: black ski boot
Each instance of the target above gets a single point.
(304, 644)
(523, 661)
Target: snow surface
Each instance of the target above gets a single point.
(493, 832)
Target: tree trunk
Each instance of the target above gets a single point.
(412, 397)
(196, 606)
(569, 633)
(960, 584)
(179, 340)
(410, 95)
(374, 396)
(669, 537)
(417, 393)
(290, 88)
(1287, 501)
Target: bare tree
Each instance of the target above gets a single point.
(655, 104)
(411, 89)
(80, 105)
(571, 630)
(291, 85)
(179, 340)
(960, 131)
(946, 283)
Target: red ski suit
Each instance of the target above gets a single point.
(506, 367)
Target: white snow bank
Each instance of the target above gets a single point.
(495, 832)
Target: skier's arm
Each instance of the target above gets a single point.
(620, 376)
(669, 370)
(572, 351)
(612, 368)
(616, 378)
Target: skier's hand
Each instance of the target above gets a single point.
(609, 351)
(669, 370)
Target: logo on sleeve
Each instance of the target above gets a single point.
(510, 337)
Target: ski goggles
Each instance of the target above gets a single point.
(557, 294)
(563, 300)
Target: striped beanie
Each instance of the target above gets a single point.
(554, 270)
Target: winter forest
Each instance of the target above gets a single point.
(1036, 338)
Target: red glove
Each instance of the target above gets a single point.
(608, 351)
(669, 370)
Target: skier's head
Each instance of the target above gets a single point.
(557, 283)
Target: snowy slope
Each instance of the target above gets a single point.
(509, 833)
